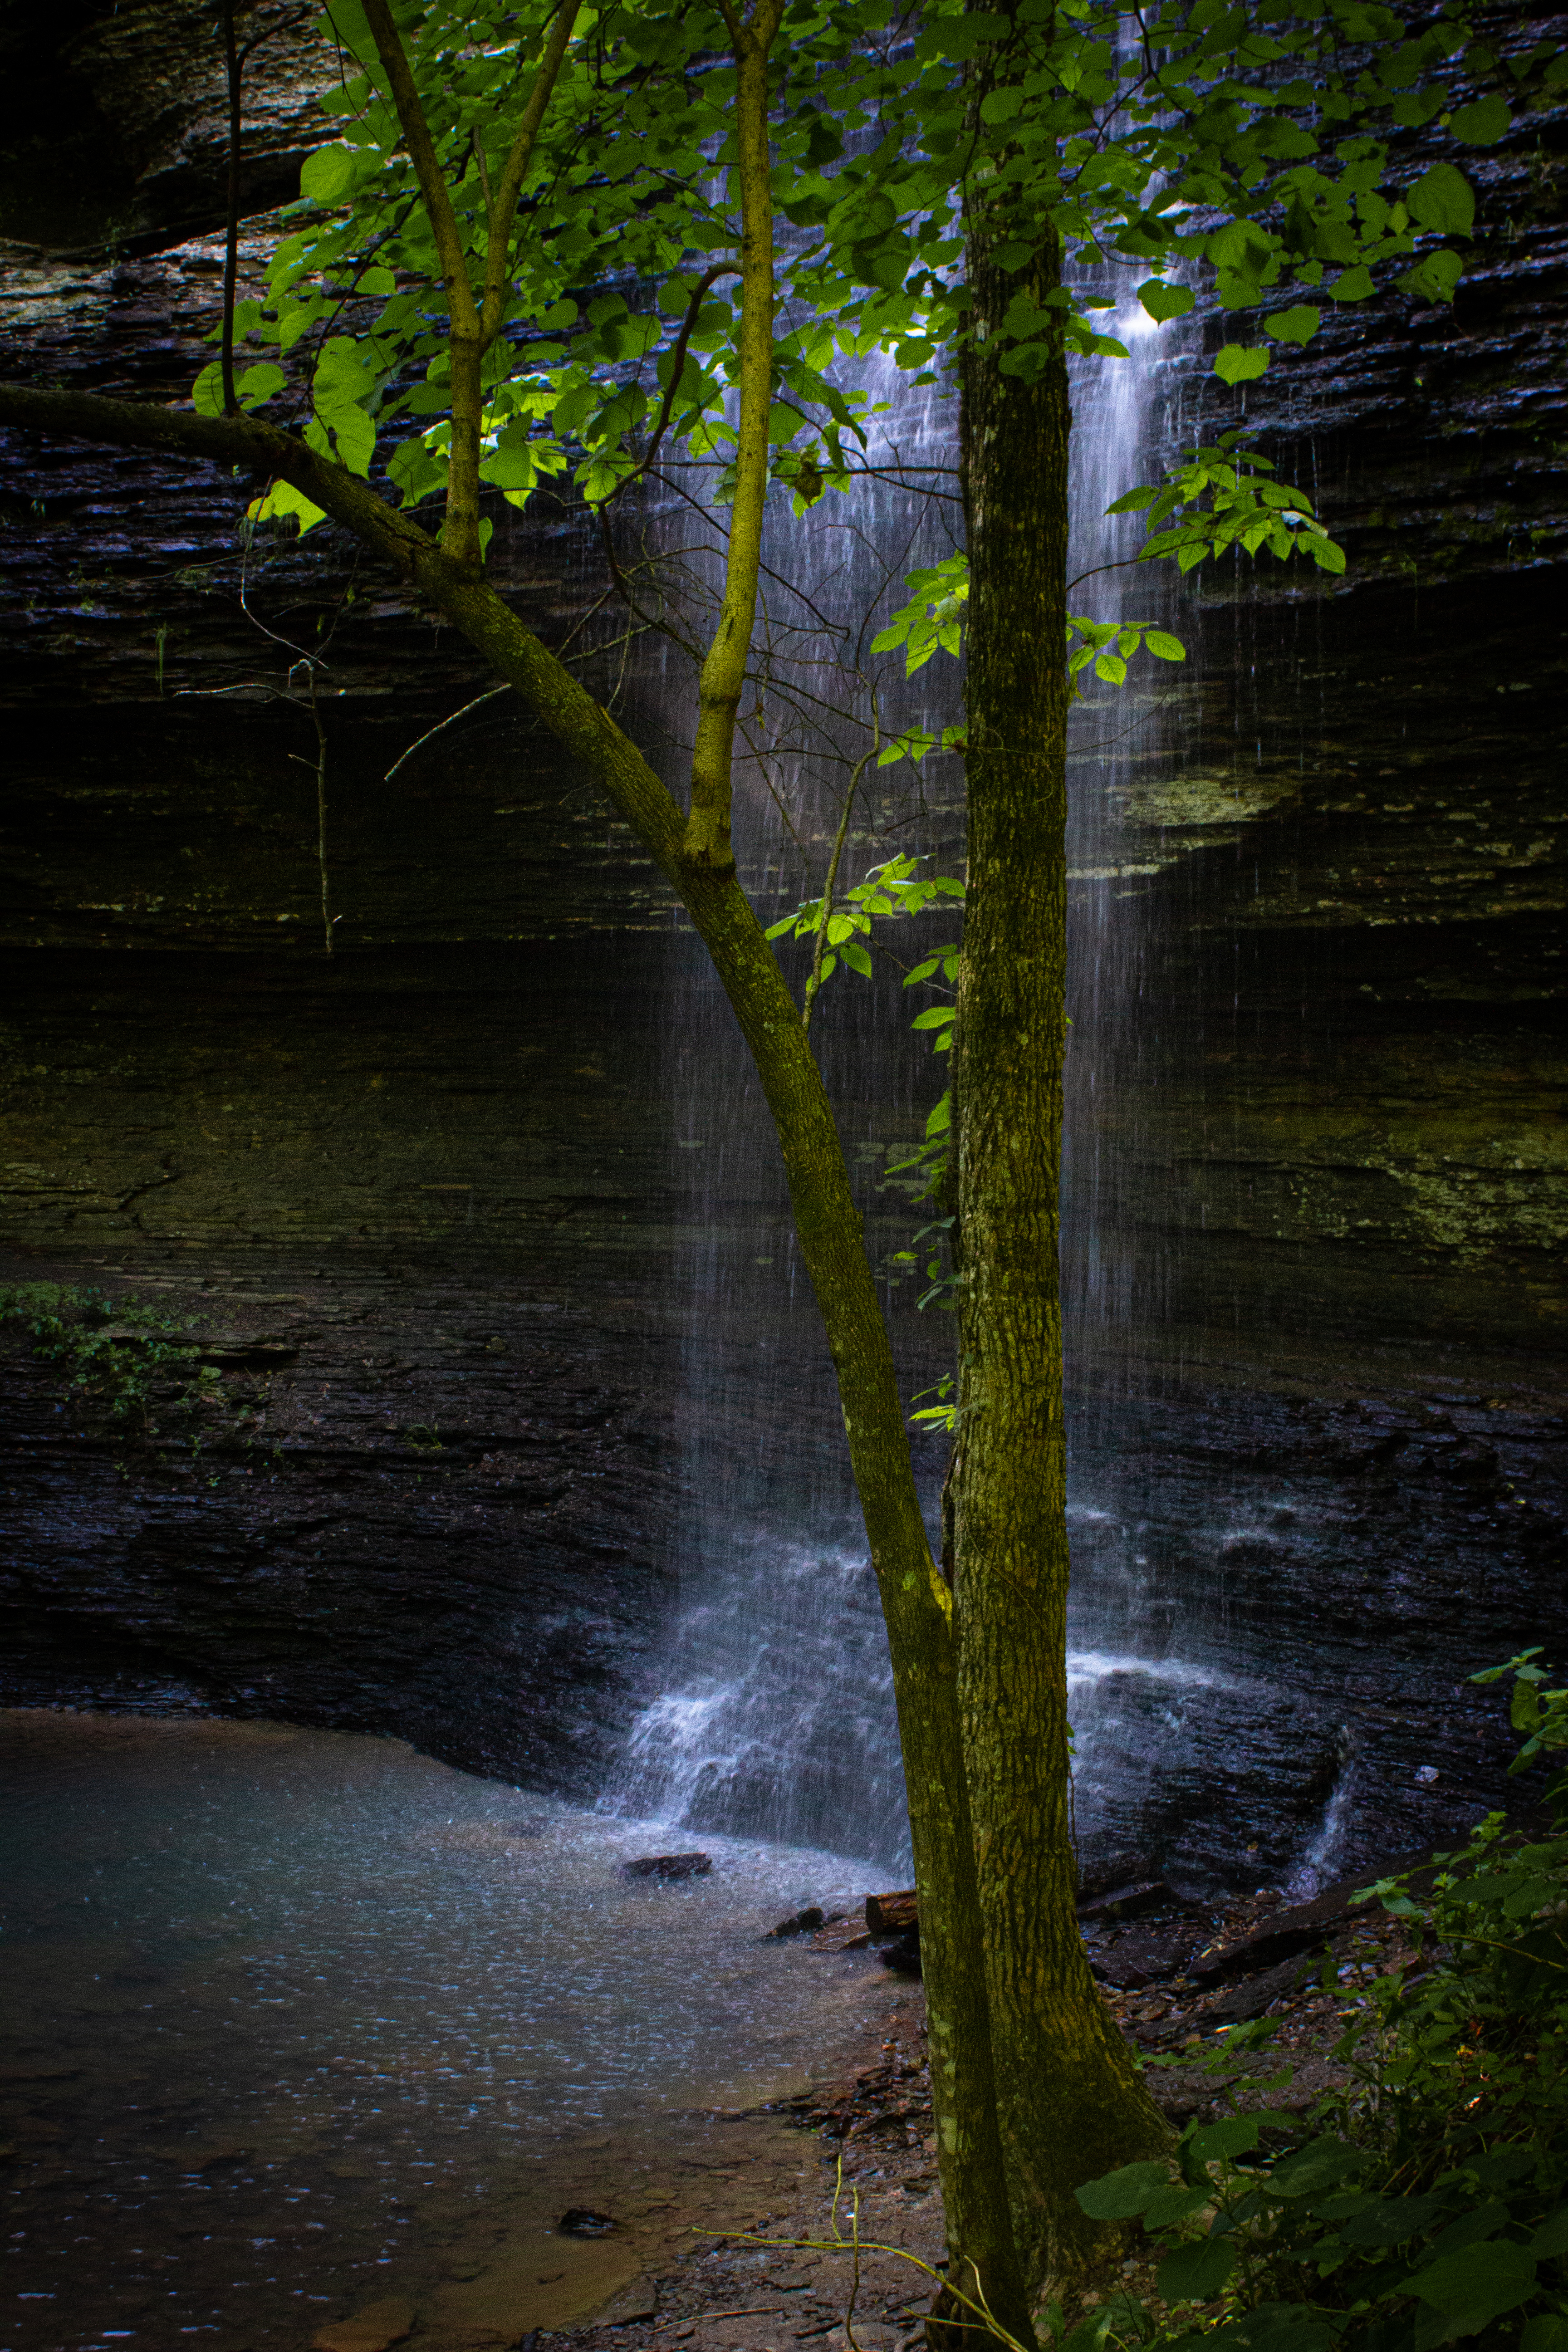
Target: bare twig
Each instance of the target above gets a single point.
(319, 766)
(440, 728)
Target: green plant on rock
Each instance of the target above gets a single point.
(1433, 2205)
(118, 1354)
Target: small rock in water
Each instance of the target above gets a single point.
(803, 1923)
(1425, 1774)
(668, 1866)
(582, 2222)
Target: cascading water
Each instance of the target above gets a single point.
(1120, 743)
(773, 1713)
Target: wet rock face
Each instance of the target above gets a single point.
(428, 1485)
(394, 1521)
(1218, 1783)
(383, 1518)
(1314, 1573)
(114, 130)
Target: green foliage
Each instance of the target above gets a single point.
(1430, 2203)
(1264, 130)
(898, 889)
(894, 888)
(118, 1354)
(1110, 646)
(1223, 498)
(1541, 1713)
(932, 622)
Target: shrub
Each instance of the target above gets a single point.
(1428, 2201)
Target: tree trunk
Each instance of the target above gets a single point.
(1071, 2104)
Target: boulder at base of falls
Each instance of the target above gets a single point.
(582, 2222)
(800, 1923)
(1209, 1784)
(668, 1866)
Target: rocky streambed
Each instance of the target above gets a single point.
(1176, 1977)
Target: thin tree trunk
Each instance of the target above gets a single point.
(1071, 2104)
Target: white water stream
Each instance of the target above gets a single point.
(773, 1712)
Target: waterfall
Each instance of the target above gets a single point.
(1122, 745)
(771, 1711)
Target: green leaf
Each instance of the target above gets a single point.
(1271, 2328)
(1162, 301)
(1174, 2204)
(1482, 124)
(1524, 1707)
(206, 393)
(1473, 2287)
(1389, 2221)
(1212, 2143)
(1442, 199)
(1164, 646)
(1238, 363)
(508, 469)
(1434, 276)
(354, 437)
(858, 960)
(1111, 668)
(1550, 2240)
(1002, 105)
(938, 1016)
(1195, 2273)
(282, 499)
(1296, 326)
(1118, 2196)
(259, 383)
(1309, 2170)
(327, 176)
(1547, 2332)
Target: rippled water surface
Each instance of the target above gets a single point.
(290, 2015)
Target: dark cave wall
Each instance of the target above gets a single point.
(434, 1178)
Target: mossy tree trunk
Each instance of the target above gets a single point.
(1070, 2103)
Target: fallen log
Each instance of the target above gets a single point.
(892, 1915)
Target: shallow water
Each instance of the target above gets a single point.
(290, 2015)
